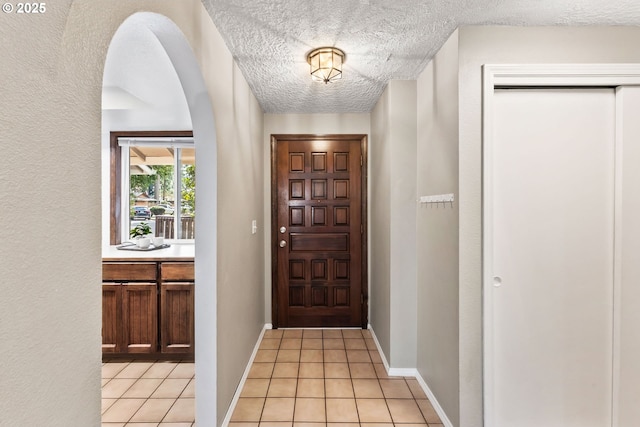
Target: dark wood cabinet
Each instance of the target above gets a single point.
(111, 314)
(140, 317)
(176, 307)
(176, 314)
(148, 309)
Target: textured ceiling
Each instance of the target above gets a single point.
(383, 40)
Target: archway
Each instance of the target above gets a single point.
(155, 31)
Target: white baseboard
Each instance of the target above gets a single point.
(434, 402)
(412, 372)
(382, 356)
(236, 395)
(392, 372)
(402, 372)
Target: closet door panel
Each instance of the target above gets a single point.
(627, 354)
(553, 235)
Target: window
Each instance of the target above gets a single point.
(153, 181)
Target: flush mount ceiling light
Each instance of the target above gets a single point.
(326, 64)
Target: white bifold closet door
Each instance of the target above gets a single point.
(553, 257)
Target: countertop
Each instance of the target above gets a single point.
(176, 252)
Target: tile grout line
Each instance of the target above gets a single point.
(266, 396)
(355, 401)
(324, 381)
(154, 390)
(119, 397)
(295, 395)
(415, 399)
(176, 400)
(265, 333)
(264, 404)
(146, 399)
(129, 388)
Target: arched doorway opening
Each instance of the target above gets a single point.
(152, 81)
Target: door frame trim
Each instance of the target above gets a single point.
(534, 76)
(274, 217)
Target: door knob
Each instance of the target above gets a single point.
(283, 243)
(283, 229)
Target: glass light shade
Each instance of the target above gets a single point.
(326, 64)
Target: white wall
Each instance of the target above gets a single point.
(393, 223)
(50, 251)
(240, 253)
(51, 291)
(494, 45)
(321, 124)
(380, 223)
(402, 116)
(437, 228)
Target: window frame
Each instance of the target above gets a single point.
(115, 179)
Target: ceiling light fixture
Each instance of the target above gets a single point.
(326, 64)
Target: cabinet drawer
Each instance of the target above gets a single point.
(117, 271)
(176, 271)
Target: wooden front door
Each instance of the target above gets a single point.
(319, 233)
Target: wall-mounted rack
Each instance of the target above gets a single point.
(438, 198)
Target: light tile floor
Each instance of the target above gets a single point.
(148, 394)
(330, 377)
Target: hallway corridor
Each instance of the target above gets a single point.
(330, 377)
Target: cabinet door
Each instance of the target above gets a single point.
(176, 317)
(111, 303)
(139, 317)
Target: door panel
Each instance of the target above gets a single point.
(111, 296)
(177, 317)
(627, 366)
(140, 317)
(318, 255)
(553, 206)
(317, 242)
